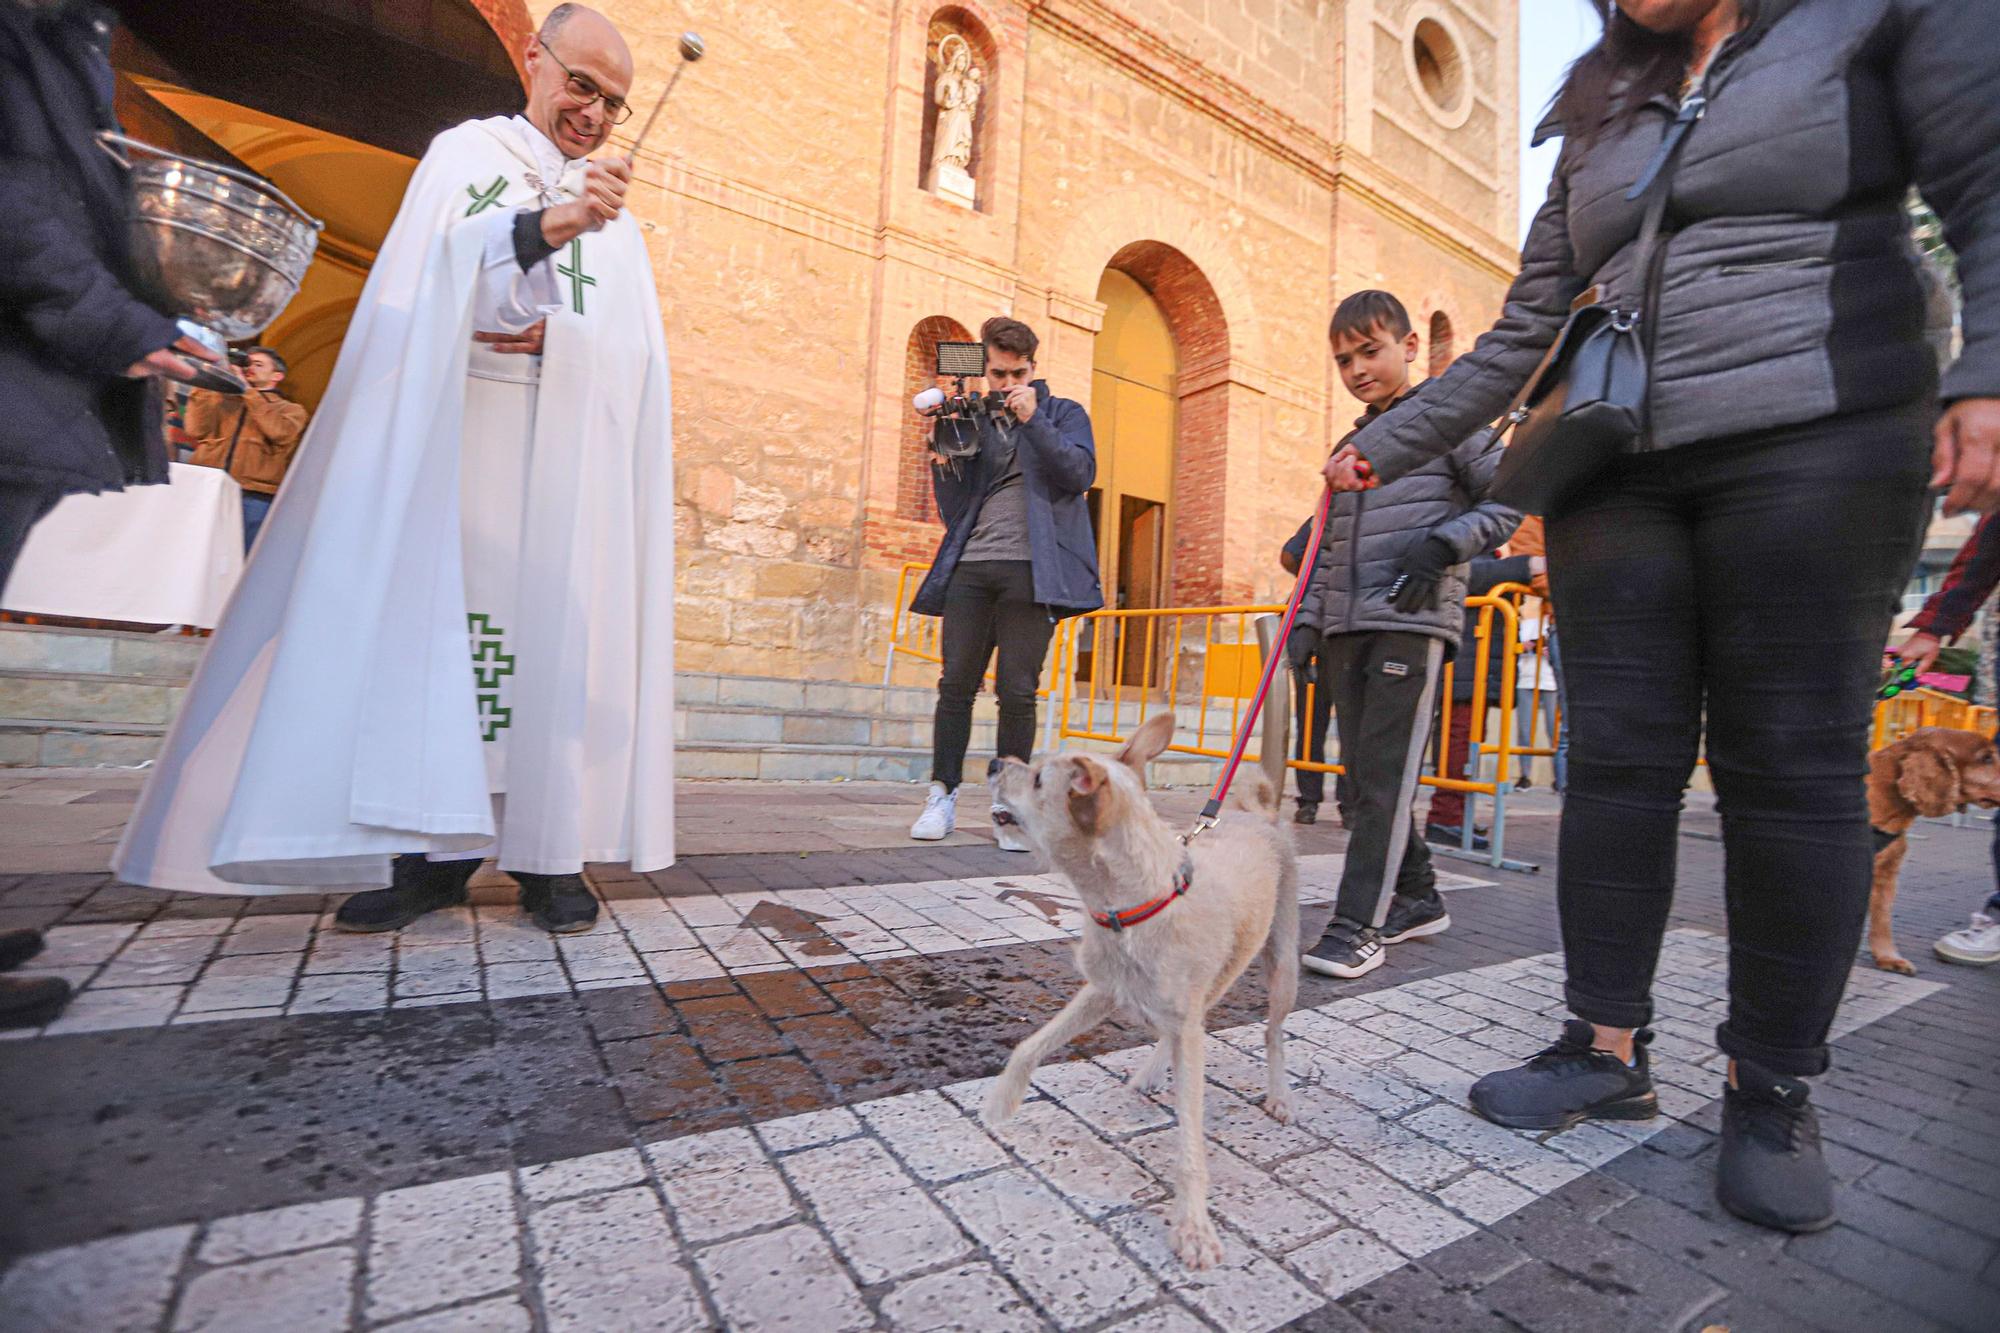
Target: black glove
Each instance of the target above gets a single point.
(1416, 585)
(1301, 647)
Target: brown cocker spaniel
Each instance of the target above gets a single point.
(1928, 774)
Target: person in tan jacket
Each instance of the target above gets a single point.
(252, 437)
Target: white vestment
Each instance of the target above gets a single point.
(335, 720)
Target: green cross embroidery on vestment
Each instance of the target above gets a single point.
(486, 198)
(489, 667)
(578, 279)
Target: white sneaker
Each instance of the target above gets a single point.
(1008, 836)
(1978, 943)
(940, 815)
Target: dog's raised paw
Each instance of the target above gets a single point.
(1897, 963)
(1278, 1105)
(1195, 1242)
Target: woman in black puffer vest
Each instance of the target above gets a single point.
(1742, 563)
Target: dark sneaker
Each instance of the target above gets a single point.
(1411, 918)
(1307, 813)
(1453, 835)
(1345, 951)
(1771, 1171)
(560, 904)
(18, 946)
(1570, 1082)
(418, 887)
(29, 1002)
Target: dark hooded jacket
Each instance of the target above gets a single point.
(70, 322)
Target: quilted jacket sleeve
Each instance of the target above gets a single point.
(1481, 384)
(1943, 83)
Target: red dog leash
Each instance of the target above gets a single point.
(1211, 811)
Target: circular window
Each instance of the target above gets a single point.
(1437, 67)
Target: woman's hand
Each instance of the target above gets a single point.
(1967, 456)
(1347, 470)
(172, 361)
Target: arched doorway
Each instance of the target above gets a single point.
(332, 102)
(1134, 417)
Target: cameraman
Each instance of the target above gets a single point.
(252, 438)
(1018, 554)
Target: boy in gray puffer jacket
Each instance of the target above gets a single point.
(1381, 614)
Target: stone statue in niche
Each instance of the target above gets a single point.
(959, 84)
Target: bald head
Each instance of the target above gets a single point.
(579, 74)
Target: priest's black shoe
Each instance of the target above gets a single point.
(1771, 1170)
(560, 904)
(1570, 1082)
(18, 946)
(418, 887)
(29, 1002)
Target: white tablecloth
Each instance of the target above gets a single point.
(156, 555)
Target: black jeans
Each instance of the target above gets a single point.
(19, 512)
(1751, 580)
(1382, 686)
(988, 604)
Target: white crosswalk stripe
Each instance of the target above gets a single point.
(906, 1212)
(209, 969)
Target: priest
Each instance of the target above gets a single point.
(455, 639)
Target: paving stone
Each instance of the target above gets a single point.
(882, 1224)
(1347, 1259)
(311, 1292)
(793, 1132)
(1107, 1103)
(1071, 1270)
(118, 1285)
(959, 1300)
(609, 1261)
(1374, 1202)
(784, 1279)
(1906, 1278)
(1271, 1215)
(1246, 1290)
(299, 1227)
(437, 1244)
(720, 1184)
(500, 1315)
(1082, 1167)
(573, 1176)
(936, 1140)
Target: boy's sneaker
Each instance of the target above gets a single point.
(940, 815)
(1570, 1082)
(1771, 1171)
(1307, 813)
(1410, 918)
(1977, 944)
(1345, 951)
(1006, 836)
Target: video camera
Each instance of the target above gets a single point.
(960, 362)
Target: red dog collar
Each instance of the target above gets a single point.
(1126, 918)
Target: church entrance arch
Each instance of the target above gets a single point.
(331, 100)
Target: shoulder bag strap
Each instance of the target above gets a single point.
(229, 459)
(1654, 185)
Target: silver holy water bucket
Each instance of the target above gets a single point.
(218, 246)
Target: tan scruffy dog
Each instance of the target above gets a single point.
(1928, 774)
(1171, 926)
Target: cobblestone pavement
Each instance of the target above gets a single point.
(748, 1099)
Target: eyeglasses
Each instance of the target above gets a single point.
(616, 110)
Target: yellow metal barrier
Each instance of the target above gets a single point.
(1898, 717)
(1138, 662)
(916, 636)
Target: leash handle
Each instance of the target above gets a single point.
(1213, 809)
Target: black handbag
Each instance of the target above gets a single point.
(1586, 402)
